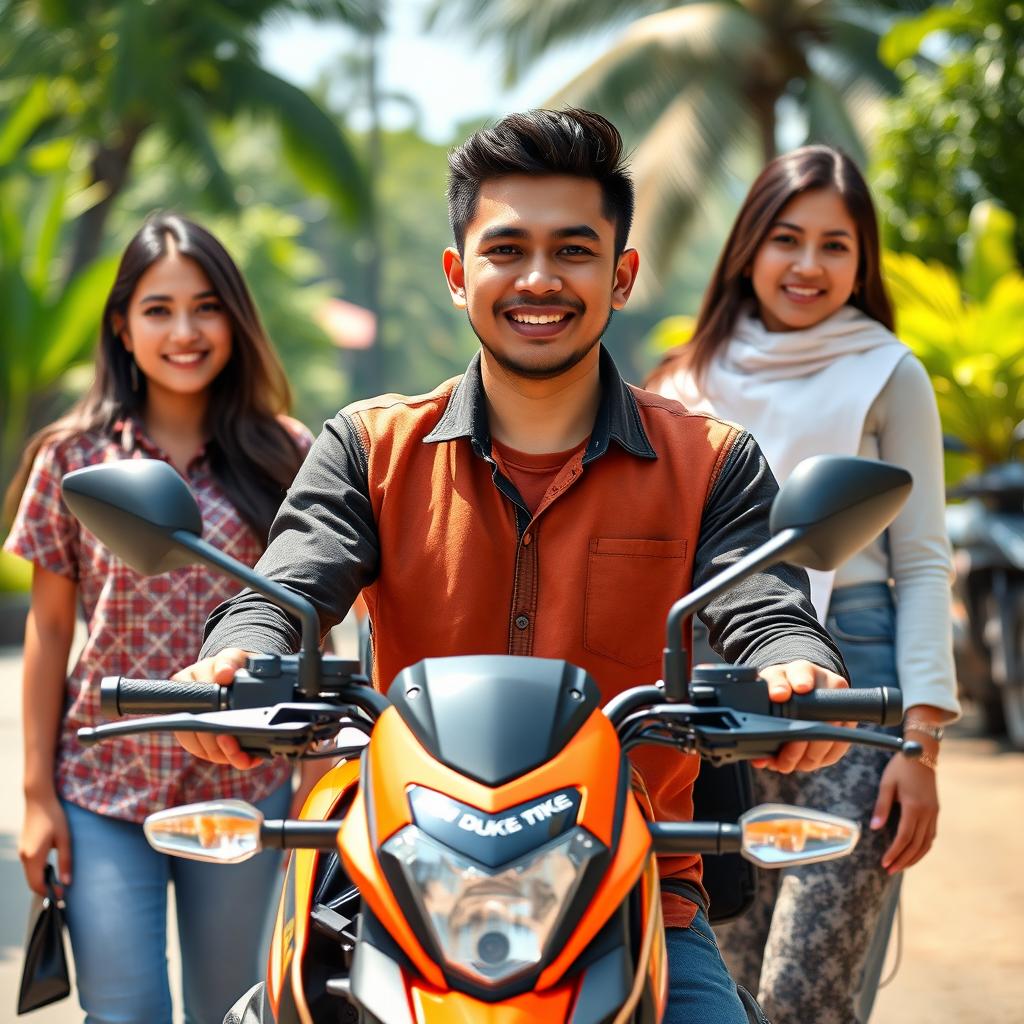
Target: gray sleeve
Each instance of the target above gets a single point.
(910, 435)
(323, 545)
(768, 618)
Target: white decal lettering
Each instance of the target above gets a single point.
(489, 827)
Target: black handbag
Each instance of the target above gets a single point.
(44, 978)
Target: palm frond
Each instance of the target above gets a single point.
(529, 29)
(314, 145)
(661, 57)
(854, 49)
(675, 170)
(828, 118)
(188, 120)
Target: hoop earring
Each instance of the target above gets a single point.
(133, 372)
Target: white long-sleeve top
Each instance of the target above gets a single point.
(902, 427)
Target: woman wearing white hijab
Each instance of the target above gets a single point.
(794, 342)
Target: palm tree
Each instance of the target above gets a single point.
(690, 82)
(114, 71)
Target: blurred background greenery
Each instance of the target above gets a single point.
(311, 136)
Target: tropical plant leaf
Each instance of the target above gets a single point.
(852, 47)
(903, 39)
(529, 29)
(661, 56)
(670, 333)
(671, 168)
(24, 119)
(828, 119)
(192, 132)
(316, 149)
(47, 235)
(70, 326)
(973, 351)
(987, 249)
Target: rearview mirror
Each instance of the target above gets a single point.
(838, 504)
(830, 507)
(144, 512)
(136, 507)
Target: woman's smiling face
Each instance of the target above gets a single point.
(806, 267)
(177, 327)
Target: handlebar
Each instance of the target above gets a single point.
(881, 705)
(121, 696)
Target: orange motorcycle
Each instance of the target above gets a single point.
(483, 857)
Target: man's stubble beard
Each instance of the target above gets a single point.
(541, 372)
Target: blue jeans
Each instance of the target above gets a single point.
(116, 909)
(700, 989)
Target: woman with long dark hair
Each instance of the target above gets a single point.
(795, 341)
(185, 373)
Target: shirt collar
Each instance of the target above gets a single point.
(618, 416)
(131, 435)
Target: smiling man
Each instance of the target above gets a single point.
(537, 504)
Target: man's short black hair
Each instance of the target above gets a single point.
(573, 141)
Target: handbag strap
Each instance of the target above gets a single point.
(50, 881)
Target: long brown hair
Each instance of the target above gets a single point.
(251, 454)
(803, 170)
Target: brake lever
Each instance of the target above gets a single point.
(287, 729)
(723, 735)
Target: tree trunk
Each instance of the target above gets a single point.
(110, 167)
(763, 107)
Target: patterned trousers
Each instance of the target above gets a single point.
(803, 946)
(811, 947)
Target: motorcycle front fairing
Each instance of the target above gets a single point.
(505, 866)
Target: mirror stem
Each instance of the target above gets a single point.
(675, 659)
(309, 653)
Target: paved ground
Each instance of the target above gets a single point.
(963, 913)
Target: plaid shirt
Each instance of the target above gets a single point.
(137, 627)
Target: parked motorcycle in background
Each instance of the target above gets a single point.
(986, 529)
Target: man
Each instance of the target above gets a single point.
(537, 504)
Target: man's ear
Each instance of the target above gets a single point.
(625, 277)
(455, 275)
(117, 321)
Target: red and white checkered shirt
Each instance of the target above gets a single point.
(143, 628)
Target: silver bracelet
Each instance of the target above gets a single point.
(925, 729)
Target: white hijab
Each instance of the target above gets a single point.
(800, 393)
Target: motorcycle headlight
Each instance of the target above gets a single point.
(493, 923)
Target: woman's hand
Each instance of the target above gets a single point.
(913, 786)
(45, 828)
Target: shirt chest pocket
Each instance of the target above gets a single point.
(631, 584)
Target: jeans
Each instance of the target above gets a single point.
(700, 990)
(116, 910)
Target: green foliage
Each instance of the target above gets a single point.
(970, 336)
(15, 574)
(48, 325)
(127, 67)
(670, 333)
(955, 134)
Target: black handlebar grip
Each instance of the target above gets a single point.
(120, 696)
(879, 705)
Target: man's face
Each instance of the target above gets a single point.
(539, 276)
